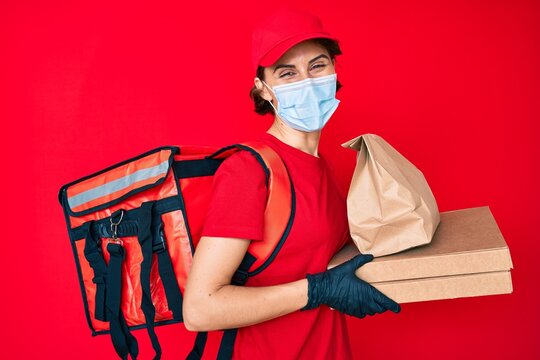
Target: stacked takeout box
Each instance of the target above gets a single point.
(466, 257)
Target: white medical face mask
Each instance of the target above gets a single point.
(306, 105)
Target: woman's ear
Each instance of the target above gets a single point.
(264, 93)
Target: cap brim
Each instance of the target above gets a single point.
(275, 53)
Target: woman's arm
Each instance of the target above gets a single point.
(212, 303)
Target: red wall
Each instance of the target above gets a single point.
(453, 85)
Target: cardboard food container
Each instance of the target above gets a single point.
(466, 257)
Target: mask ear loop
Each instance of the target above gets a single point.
(274, 95)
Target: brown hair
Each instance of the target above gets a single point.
(262, 106)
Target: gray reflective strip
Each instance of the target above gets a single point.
(118, 184)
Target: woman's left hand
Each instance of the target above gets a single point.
(342, 290)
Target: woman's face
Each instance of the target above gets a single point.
(307, 59)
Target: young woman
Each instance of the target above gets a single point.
(286, 311)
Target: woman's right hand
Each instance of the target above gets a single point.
(342, 290)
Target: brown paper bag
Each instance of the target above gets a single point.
(390, 205)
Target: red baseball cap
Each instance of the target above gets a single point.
(280, 31)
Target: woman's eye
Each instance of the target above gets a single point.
(286, 74)
(318, 66)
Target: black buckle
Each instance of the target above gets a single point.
(161, 244)
(126, 228)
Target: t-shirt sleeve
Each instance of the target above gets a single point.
(238, 199)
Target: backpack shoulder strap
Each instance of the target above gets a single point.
(280, 207)
(279, 211)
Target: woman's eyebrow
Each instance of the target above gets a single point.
(317, 58)
(280, 66)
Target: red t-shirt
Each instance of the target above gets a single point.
(319, 230)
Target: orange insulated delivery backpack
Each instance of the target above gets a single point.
(134, 227)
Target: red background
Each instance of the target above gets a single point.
(453, 85)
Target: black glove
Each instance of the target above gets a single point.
(342, 290)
